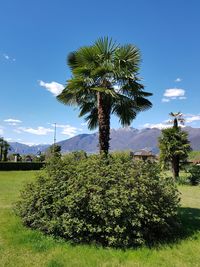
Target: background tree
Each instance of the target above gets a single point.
(174, 148)
(177, 118)
(4, 148)
(40, 157)
(105, 81)
(53, 151)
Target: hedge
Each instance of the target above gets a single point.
(21, 166)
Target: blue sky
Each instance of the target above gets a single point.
(36, 37)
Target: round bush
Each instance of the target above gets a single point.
(112, 202)
(194, 175)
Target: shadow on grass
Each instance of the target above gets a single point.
(39, 242)
(190, 220)
(188, 227)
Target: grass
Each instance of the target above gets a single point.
(22, 247)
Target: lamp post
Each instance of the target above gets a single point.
(54, 140)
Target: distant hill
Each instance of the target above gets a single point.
(125, 139)
(22, 149)
(121, 139)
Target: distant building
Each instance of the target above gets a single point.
(196, 162)
(143, 155)
(28, 158)
(17, 157)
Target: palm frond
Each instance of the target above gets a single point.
(82, 71)
(105, 47)
(128, 57)
(74, 92)
(175, 114)
(71, 60)
(86, 107)
(106, 91)
(92, 119)
(84, 57)
(125, 109)
(142, 103)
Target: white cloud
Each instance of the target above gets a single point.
(84, 124)
(7, 57)
(178, 80)
(53, 87)
(17, 131)
(30, 143)
(163, 125)
(189, 118)
(38, 131)
(165, 99)
(9, 139)
(68, 129)
(173, 93)
(12, 122)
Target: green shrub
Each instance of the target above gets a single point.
(182, 180)
(194, 175)
(112, 202)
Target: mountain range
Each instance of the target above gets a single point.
(121, 139)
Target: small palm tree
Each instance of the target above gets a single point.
(105, 81)
(174, 145)
(174, 148)
(177, 117)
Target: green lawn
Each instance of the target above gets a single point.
(23, 247)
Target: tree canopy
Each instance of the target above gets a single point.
(174, 147)
(105, 81)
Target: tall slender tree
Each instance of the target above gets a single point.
(177, 118)
(105, 81)
(174, 144)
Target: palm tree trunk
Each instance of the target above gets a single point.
(175, 123)
(104, 123)
(175, 167)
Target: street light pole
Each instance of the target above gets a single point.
(54, 140)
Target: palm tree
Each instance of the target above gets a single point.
(177, 117)
(104, 82)
(174, 145)
(174, 148)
